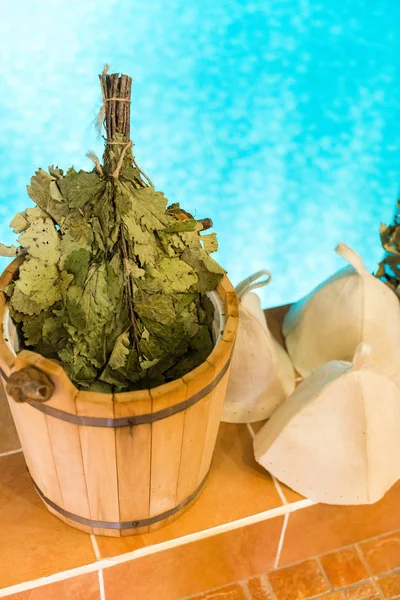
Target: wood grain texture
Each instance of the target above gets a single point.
(223, 350)
(35, 439)
(7, 359)
(218, 360)
(66, 441)
(99, 459)
(8, 437)
(224, 287)
(195, 431)
(129, 473)
(220, 356)
(214, 420)
(70, 522)
(227, 293)
(133, 446)
(167, 435)
(230, 330)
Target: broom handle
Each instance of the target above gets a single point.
(116, 92)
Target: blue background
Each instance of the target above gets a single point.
(279, 119)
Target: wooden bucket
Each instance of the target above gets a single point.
(126, 463)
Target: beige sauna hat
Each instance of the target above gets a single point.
(350, 307)
(262, 375)
(336, 440)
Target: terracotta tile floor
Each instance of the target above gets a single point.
(85, 587)
(38, 544)
(245, 538)
(347, 574)
(236, 488)
(33, 543)
(327, 552)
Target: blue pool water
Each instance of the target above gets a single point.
(279, 119)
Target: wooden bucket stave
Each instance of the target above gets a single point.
(127, 476)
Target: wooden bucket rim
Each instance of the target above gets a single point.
(223, 347)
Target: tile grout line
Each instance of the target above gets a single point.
(154, 549)
(278, 488)
(96, 548)
(10, 452)
(359, 583)
(346, 588)
(176, 543)
(252, 435)
(281, 541)
(274, 479)
(241, 583)
(46, 580)
(267, 583)
(97, 553)
(367, 568)
(246, 590)
(207, 533)
(101, 585)
(325, 576)
(105, 563)
(345, 547)
(264, 576)
(251, 430)
(331, 591)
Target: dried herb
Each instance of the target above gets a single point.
(114, 282)
(389, 267)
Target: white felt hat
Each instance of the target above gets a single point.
(262, 375)
(350, 307)
(336, 439)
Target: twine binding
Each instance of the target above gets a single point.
(121, 159)
(100, 122)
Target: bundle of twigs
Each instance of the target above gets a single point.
(114, 284)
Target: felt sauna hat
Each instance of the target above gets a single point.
(350, 307)
(262, 375)
(336, 439)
